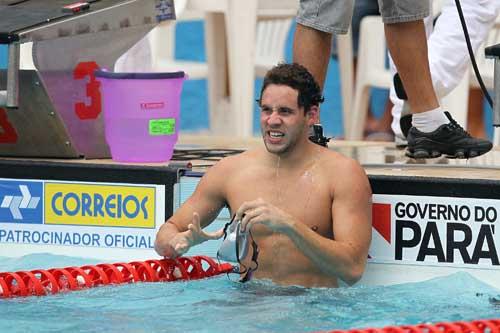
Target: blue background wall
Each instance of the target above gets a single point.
(3, 56)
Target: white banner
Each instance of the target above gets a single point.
(44, 214)
(442, 231)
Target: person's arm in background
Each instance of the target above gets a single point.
(184, 229)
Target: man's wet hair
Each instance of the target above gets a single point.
(297, 77)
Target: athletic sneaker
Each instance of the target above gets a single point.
(449, 139)
(405, 125)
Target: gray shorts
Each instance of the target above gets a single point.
(334, 16)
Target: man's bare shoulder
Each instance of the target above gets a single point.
(347, 178)
(338, 160)
(342, 167)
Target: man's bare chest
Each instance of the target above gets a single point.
(301, 194)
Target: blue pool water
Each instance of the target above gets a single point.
(219, 305)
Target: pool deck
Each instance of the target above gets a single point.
(378, 158)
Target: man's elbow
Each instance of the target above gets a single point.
(161, 242)
(354, 274)
(159, 245)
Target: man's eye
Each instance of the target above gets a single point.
(266, 109)
(285, 110)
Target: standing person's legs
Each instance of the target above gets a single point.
(317, 20)
(311, 48)
(399, 104)
(407, 44)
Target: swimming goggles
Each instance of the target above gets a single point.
(235, 247)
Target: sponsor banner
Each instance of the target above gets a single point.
(79, 214)
(21, 201)
(459, 232)
(99, 205)
(77, 236)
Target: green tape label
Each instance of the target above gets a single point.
(162, 126)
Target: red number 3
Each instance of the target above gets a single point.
(93, 110)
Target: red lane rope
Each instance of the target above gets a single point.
(476, 326)
(42, 282)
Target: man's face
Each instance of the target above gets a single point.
(282, 122)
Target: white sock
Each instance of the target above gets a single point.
(429, 121)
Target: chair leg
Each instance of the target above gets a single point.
(359, 112)
(370, 72)
(217, 79)
(346, 78)
(241, 25)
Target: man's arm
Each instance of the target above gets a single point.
(183, 229)
(346, 255)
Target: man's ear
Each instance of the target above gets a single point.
(313, 115)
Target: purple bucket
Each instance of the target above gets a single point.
(141, 114)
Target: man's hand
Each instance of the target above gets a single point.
(183, 241)
(260, 212)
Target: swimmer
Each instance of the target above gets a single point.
(307, 208)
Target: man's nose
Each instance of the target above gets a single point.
(274, 118)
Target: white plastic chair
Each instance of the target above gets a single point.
(271, 35)
(270, 47)
(371, 72)
(233, 60)
(231, 105)
(270, 43)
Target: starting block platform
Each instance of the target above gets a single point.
(50, 100)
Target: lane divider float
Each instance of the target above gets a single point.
(41, 282)
(476, 326)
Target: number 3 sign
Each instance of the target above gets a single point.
(93, 110)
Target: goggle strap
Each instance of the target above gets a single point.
(227, 226)
(255, 256)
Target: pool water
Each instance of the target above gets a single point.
(220, 305)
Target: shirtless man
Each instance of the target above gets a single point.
(308, 208)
